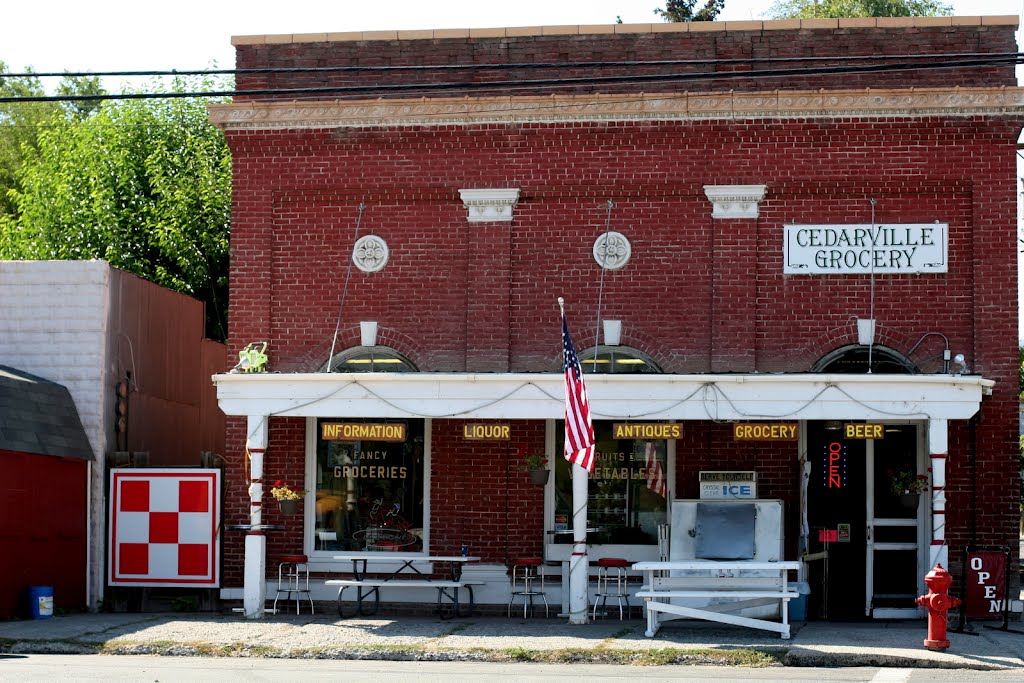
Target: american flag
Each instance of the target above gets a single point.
(655, 472)
(579, 430)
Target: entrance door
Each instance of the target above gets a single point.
(836, 492)
(866, 542)
(893, 532)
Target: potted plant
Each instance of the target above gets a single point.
(290, 500)
(908, 485)
(536, 465)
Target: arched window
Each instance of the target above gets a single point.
(853, 359)
(371, 359)
(617, 360)
(368, 474)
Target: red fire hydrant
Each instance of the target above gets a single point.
(938, 603)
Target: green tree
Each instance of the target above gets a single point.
(686, 10)
(835, 9)
(21, 122)
(143, 184)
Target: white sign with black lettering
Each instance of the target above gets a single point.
(860, 249)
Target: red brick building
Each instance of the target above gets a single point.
(741, 198)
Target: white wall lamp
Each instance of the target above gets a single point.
(865, 331)
(612, 332)
(368, 332)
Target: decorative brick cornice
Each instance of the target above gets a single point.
(489, 205)
(735, 201)
(815, 104)
(657, 27)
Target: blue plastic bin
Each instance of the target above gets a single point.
(40, 602)
(798, 609)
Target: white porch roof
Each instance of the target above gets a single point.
(510, 396)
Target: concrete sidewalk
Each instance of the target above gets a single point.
(501, 639)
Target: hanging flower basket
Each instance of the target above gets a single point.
(536, 465)
(909, 501)
(539, 477)
(290, 499)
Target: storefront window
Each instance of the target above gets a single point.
(371, 359)
(369, 485)
(618, 360)
(627, 492)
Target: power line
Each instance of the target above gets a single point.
(513, 65)
(1002, 59)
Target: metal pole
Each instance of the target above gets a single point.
(579, 565)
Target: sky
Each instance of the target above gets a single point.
(134, 35)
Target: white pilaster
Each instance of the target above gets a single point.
(255, 586)
(938, 446)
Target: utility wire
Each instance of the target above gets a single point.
(514, 65)
(506, 85)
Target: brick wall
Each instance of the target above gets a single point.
(698, 295)
(771, 40)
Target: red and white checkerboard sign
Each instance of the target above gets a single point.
(164, 527)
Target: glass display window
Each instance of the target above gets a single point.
(627, 494)
(369, 491)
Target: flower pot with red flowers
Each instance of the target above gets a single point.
(907, 486)
(289, 499)
(536, 465)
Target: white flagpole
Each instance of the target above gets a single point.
(579, 562)
(579, 608)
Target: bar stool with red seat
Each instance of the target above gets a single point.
(293, 579)
(527, 578)
(611, 583)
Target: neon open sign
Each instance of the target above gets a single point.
(834, 471)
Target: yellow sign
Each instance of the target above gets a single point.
(486, 432)
(765, 431)
(646, 430)
(861, 430)
(362, 431)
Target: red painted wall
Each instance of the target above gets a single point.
(699, 295)
(42, 530)
(157, 335)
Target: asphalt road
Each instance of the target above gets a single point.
(227, 670)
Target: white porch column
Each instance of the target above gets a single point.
(255, 587)
(938, 447)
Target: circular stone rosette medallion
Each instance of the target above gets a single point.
(370, 254)
(612, 250)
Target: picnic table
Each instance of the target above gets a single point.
(722, 586)
(447, 585)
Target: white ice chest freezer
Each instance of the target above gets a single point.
(749, 529)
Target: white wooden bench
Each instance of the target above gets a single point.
(717, 588)
(447, 590)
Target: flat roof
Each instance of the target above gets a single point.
(657, 27)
